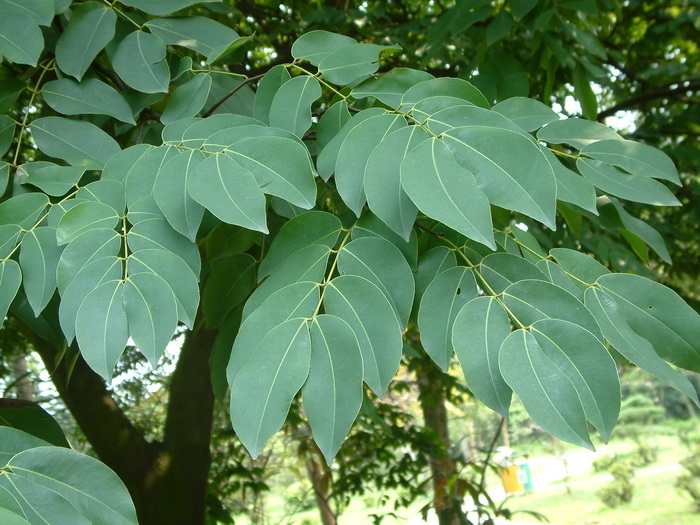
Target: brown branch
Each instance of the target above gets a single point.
(232, 92)
(654, 94)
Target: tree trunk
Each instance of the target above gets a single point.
(167, 479)
(316, 474)
(442, 466)
(23, 384)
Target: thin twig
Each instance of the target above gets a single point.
(428, 230)
(233, 92)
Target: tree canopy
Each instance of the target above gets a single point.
(310, 207)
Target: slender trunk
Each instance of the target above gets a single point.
(442, 465)
(23, 384)
(316, 474)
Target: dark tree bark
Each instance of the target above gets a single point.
(442, 466)
(167, 479)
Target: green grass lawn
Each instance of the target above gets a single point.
(656, 500)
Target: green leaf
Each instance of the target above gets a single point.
(14, 441)
(221, 353)
(229, 191)
(144, 209)
(369, 225)
(291, 105)
(83, 217)
(101, 327)
(451, 87)
(635, 158)
(175, 272)
(230, 282)
(500, 270)
(353, 62)
(659, 315)
(10, 88)
(89, 277)
(9, 235)
(509, 168)
(50, 178)
(638, 227)
(296, 301)
(268, 87)
(328, 157)
(571, 187)
(444, 190)
(532, 300)
(332, 393)
(34, 420)
(40, 11)
(10, 279)
(109, 192)
(308, 265)
(637, 188)
(381, 263)
(613, 322)
(330, 124)
(478, 332)
(164, 7)
(151, 312)
(431, 264)
(38, 259)
(226, 240)
(141, 176)
(188, 99)
(499, 27)
(4, 174)
(91, 28)
(139, 60)
(368, 312)
(527, 113)
(91, 96)
(21, 40)
(579, 265)
(10, 518)
(313, 227)
(584, 93)
(122, 163)
(204, 35)
(170, 193)
(7, 133)
(224, 140)
(281, 167)
(77, 142)
(443, 299)
(90, 487)
(588, 365)
(158, 234)
(382, 179)
(354, 153)
(546, 392)
(84, 249)
(314, 46)
(556, 275)
(270, 379)
(441, 114)
(240, 103)
(390, 87)
(522, 7)
(576, 132)
(23, 210)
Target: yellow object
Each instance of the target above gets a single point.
(509, 478)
